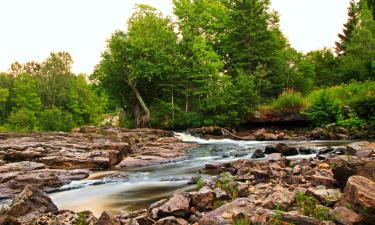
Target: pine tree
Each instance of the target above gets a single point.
(348, 28)
(371, 5)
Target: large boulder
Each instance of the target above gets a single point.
(325, 196)
(361, 149)
(360, 193)
(29, 204)
(282, 148)
(177, 205)
(346, 167)
(345, 216)
(280, 197)
(203, 199)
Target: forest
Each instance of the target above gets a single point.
(217, 62)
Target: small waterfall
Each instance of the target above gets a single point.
(186, 137)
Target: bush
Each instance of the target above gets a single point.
(55, 119)
(289, 102)
(364, 107)
(324, 109)
(22, 120)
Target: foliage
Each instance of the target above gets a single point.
(241, 220)
(23, 119)
(55, 119)
(82, 219)
(309, 206)
(289, 102)
(323, 109)
(47, 96)
(227, 183)
(199, 182)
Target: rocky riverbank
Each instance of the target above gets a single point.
(336, 187)
(329, 132)
(50, 160)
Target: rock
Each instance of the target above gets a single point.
(297, 169)
(275, 157)
(108, 219)
(221, 194)
(177, 205)
(13, 182)
(360, 191)
(345, 216)
(280, 197)
(48, 160)
(203, 199)
(318, 133)
(282, 148)
(325, 196)
(29, 204)
(223, 214)
(292, 217)
(258, 154)
(346, 168)
(171, 220)
(305, 151)
(65, 217)
(319, 179)
(362, 149)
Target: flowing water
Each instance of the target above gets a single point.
(149, 184)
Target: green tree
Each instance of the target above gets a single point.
(358, 62)
(325, 65)
(4, 94)
(134, 63)
(254, 38)
(348, 28)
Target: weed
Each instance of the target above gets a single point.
(81, 219)
(241, 220)
(349, 206)
(199, 183)
(227, 183)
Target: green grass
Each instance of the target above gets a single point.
(199, 183)
(289, 102)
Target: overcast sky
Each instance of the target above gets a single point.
(31, 29)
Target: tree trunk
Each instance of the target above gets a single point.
(186, 103)
(139, 98)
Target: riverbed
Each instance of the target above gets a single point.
(146, 185)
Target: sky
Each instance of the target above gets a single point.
(31, 29)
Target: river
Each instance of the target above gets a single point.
(149, 184)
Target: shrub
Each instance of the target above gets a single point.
(55, 119)
(227, 183)
(22, 120)
(364, 107)
(199, 183)
(289, 102)
(309, 206)
(324, 109)
(351, 122)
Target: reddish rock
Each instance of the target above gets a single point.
(108, 219)
(178, 205)
(360, 191)
(171, 220)
(345, 216)
(30, 204)
(203, 199)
